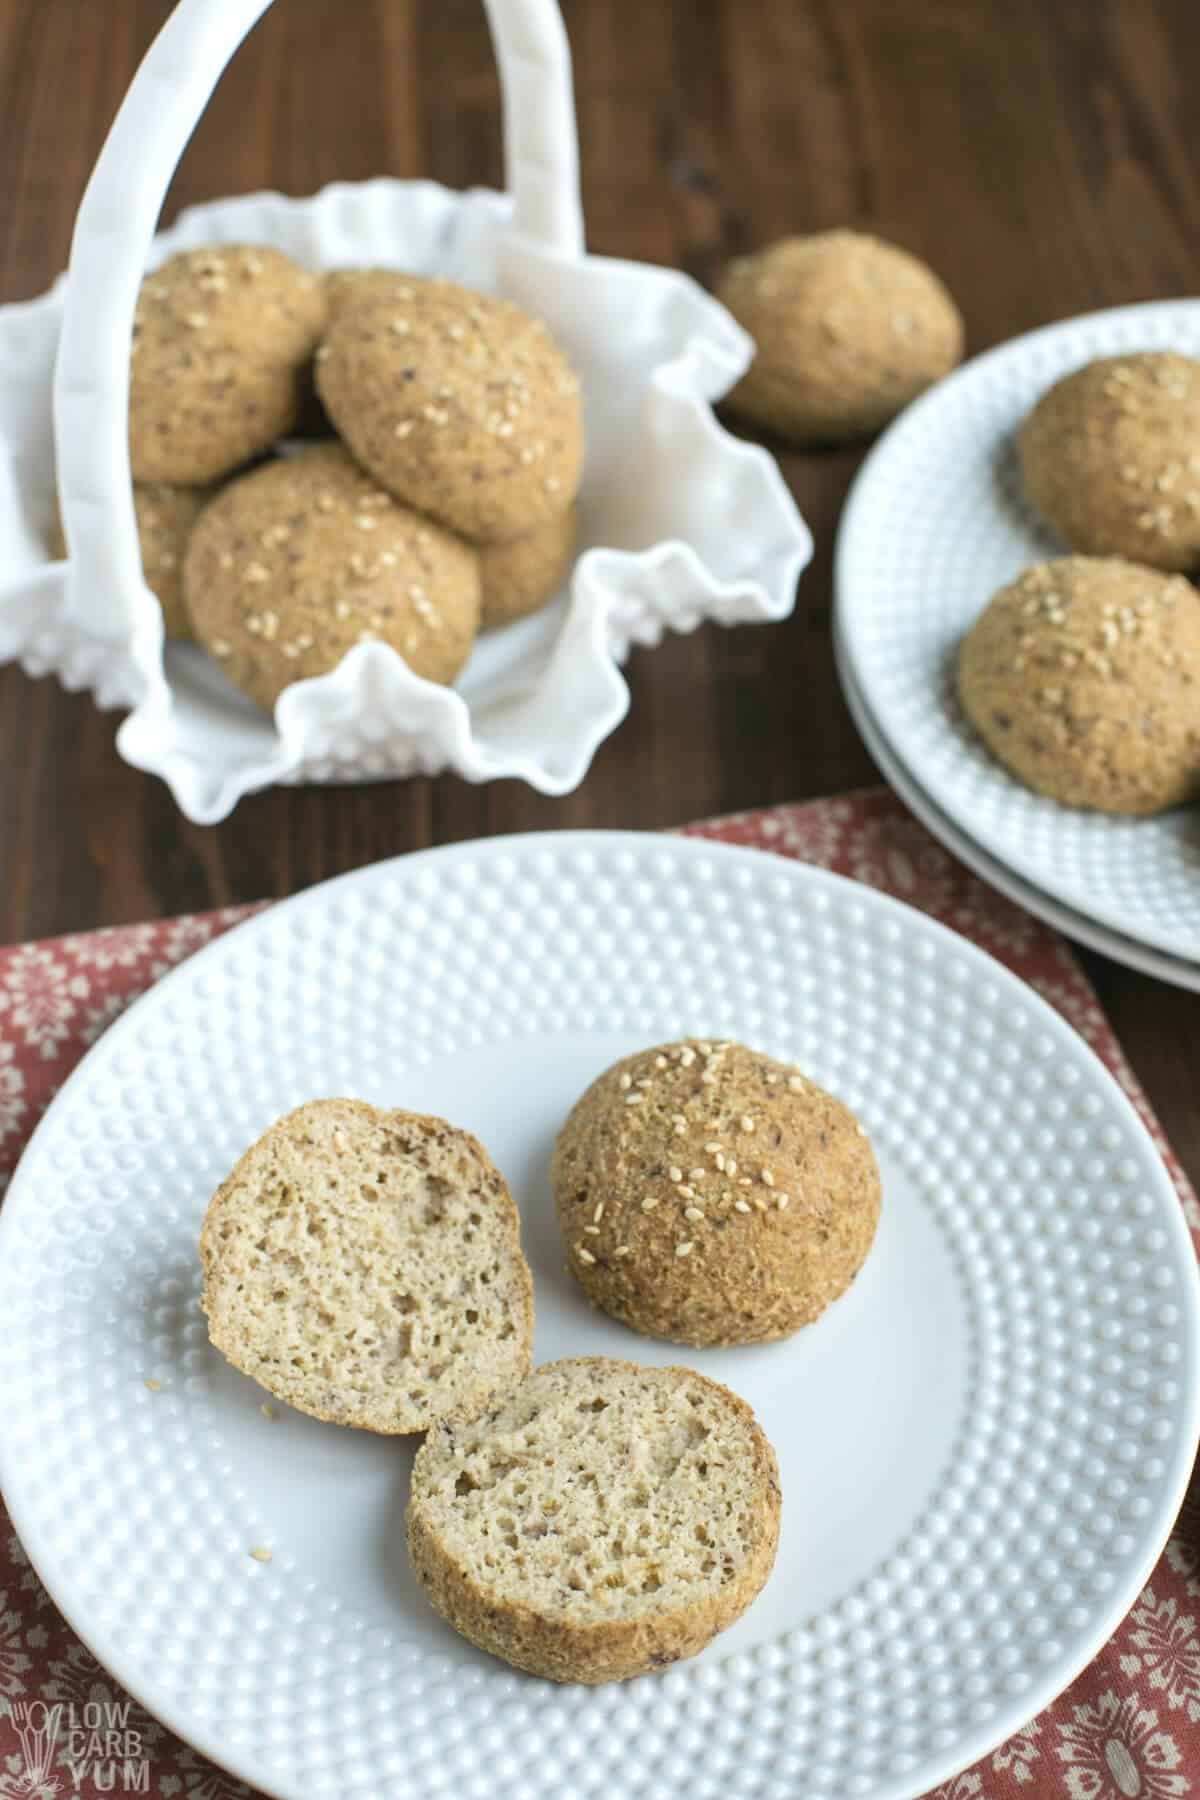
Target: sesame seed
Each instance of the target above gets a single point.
(687, 1057)
(708, 1079)
(771, 1080)
(260, 1554)
(859, 1129)
(634, 1099)
(740, 1206)
(526, 455)
(253, 624)
(154, 1386)
(675, 1174)
(404, 293)
(712, 1148)
(680, 1128)
(760, 1203)
(455, 331)
(731, 1165)
(584, 1255)
(322, 354)
(267, 1410)
(592, 1230)
(685, 1249)
(254, 571)
(401, 327)
(625, 1082)
(745, 1181)
(325, 501)
(402, 428)
(342, 609)
(782, 1201)
(366, 522)
(340, 1141)
(599, 1212)
(220, 647)
(746, 1122)
(719, 1159)
(692, 1212)
(697, 1174)
(678, 1119)
(649, 1203)
(688, 1193)
(768, 1180)
(660, 1062)
(197, 321)
(621, 1250)
(292, 651)
(643, 1081)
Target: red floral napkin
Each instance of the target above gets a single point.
(1129, 1726)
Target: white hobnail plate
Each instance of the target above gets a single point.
(982, 1446)
(1147, 961)
(679, 522)
(935, 523)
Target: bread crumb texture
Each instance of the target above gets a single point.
(1081, 676)
(601, 1521)
(708, 1194)
(366, 1267)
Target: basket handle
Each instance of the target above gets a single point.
(115, 230)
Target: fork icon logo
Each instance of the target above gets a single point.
(37, 1728)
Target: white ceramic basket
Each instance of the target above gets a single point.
(679, 522)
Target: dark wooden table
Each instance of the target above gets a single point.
(1045, 158)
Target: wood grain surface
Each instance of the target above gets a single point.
(1045, 158)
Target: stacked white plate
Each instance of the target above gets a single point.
(936, 522)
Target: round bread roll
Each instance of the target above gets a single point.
(710, 1195)
(294, 564)
(165, 516)
(223, 341)
(366, 1267)
(348, 287)
(601, 1521)
(520, 576)
(847, 331)
(459, 404)
(1081, 676)
(1110, 457)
